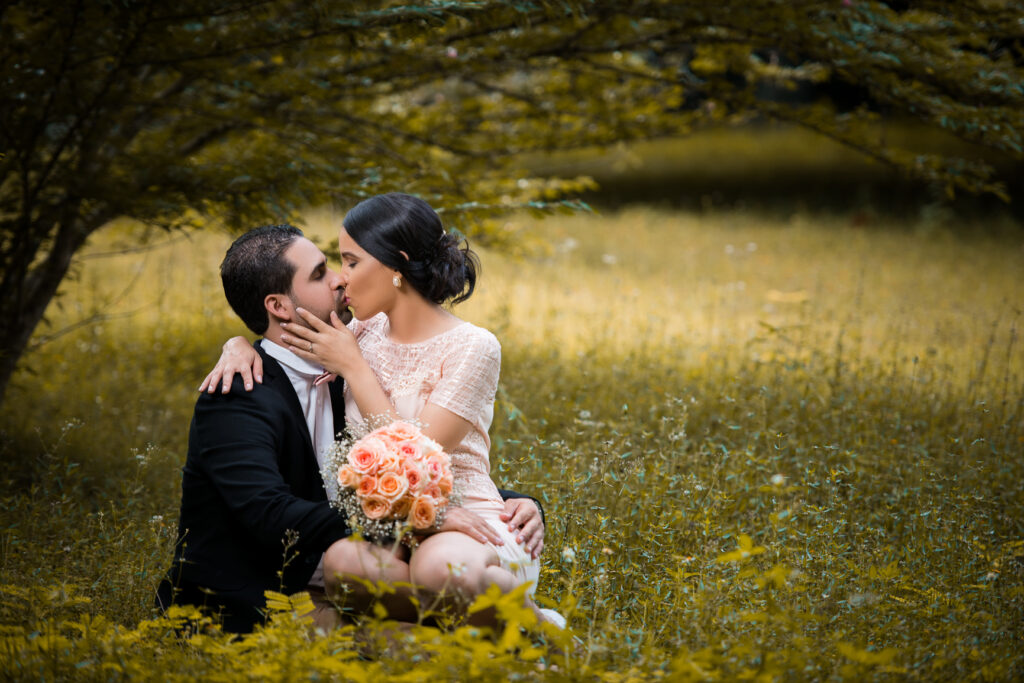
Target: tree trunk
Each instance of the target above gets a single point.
(13, 341)
(29, 298)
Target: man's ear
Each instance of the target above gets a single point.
(279, 306)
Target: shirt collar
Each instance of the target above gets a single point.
(290, 360)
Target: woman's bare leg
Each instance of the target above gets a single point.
(348, 564)
(451, 562)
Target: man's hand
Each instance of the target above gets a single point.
(523, 516)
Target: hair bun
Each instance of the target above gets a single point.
(453, 270)
(446, 242)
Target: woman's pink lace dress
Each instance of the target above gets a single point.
(458, 371)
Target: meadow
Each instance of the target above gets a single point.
(769, 447)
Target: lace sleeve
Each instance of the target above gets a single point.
(469, 375)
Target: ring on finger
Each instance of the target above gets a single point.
(311, 347)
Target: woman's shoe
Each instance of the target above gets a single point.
(553, 617)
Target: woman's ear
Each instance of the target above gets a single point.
(404, 255)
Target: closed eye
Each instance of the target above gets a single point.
(349, 259)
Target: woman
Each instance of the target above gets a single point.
(406, 357)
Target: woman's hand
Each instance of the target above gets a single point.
(333, 346)
(237, 356)
(523, 516)
(471, 524)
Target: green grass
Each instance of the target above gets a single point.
(786, 449)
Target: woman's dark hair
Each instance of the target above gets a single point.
(254, 267)
(437, 266)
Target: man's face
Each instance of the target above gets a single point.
(315, 287)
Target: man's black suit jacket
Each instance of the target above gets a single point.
(250, 479)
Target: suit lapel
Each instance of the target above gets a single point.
(276, 379)
(337, 389)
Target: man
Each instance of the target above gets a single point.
(254, 512)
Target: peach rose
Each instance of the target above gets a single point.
(390, 462)
(366, 454)
(423, 512)
(428, 446)
(392, 486)
(409, 450)
(347, 477)
(445, 484)
(437, 464)
(367, 486)
(432, 490)
(400, 508)
(397, 432)
(375, 507)
(414, 475)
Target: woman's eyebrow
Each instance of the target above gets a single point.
(348, 254)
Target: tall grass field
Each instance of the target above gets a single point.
(768, 448)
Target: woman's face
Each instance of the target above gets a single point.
(368, 286)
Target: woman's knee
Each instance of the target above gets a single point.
(451, 567)
(440, 576)
(364, 560)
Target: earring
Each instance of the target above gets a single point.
(396, 281)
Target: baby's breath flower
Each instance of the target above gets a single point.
(778, 480)
(569, 554)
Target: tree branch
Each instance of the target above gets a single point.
(141, 249)
(93, 319)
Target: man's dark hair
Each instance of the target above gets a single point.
(254, 267)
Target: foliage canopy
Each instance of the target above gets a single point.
(247, 111)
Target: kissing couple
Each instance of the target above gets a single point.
(255, 514)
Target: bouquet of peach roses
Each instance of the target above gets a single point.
(393, 477)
